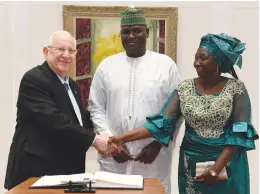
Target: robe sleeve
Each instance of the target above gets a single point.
(241, 133)
(163, 124)
(97, 103)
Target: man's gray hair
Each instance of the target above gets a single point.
(58, 33)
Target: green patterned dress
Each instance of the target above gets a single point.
(211, 123)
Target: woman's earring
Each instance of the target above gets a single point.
(217, 68)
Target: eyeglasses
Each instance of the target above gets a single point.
(63, 50)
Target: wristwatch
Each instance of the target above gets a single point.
(213, 173)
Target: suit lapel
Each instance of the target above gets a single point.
(75, 91)
(61, 95)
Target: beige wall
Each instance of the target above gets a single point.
(25, 27)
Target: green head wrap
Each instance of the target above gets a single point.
(132, 16)
(225, 49)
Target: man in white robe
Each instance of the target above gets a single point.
(126, 88)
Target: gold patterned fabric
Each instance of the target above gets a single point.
(208, 114)
(211, 123)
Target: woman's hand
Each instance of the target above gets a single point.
(115, 140)
(114, 144)
(222, 161)
(207, 178)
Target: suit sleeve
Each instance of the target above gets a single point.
(97, 104)
(89, 123)
(38, 105)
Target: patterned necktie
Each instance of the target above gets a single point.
(66, 86)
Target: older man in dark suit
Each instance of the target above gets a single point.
(51, 135)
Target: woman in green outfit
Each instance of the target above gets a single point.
(217, 114)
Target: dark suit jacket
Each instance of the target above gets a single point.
(48, 139)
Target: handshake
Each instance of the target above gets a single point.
(114, 146)
(107, 146)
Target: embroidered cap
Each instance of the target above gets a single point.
(132, 16)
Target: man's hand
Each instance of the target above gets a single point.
(149, 153)
(101, 145)
(122, 155)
